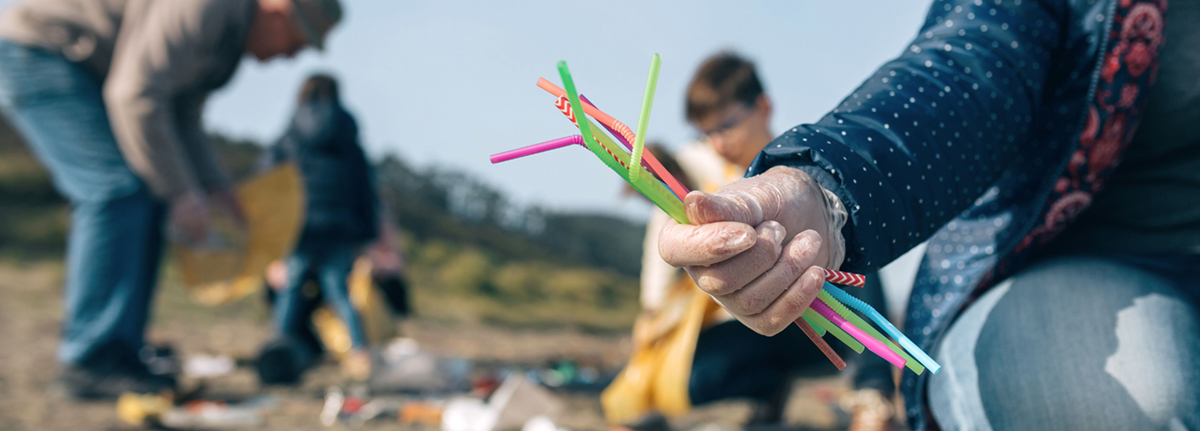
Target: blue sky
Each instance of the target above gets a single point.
(449, 83)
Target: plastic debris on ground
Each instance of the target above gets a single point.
(514, 403)
(207, 366)
(403, 367)
(158, 411)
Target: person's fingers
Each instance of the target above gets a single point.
(725, 277)
(797, 256)
(689, 245)
(789, 306)
(777, 194)
(704, 208)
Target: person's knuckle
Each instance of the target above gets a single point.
(714, 283)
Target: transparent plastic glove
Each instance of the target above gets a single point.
(758, 245)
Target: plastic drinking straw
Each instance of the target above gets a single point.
(820, 330)
(837, 332)
(616, 134)
(537, 148)
(564, 106)
(821, 344)
(644, 118)
(653, 190)
(871, 343)
(648, 162)
(887, 326)
(627, 135)
(846, 278)
(841, 310)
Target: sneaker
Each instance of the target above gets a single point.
(109, 376)
(283, 361)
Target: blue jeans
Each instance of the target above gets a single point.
(1095, 343)
(116, 225)
(328, 261)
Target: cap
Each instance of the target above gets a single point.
(316, 17)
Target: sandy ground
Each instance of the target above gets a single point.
(29, 320)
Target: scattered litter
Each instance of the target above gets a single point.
(403, 367)
(514, 403)
(421, 412)
(541, 423)
(212, 414)
(207, 366)
(158, 411)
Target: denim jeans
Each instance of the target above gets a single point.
(1095, 343)
(115, 240)
(328, 261)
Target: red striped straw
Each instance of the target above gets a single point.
(846, 278)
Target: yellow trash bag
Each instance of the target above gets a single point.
(656, 377)
(367, 300)
(232, 268)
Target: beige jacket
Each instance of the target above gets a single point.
(157, 60)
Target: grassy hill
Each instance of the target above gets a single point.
(473, 256)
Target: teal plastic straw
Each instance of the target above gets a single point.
(862, 325)
(639, 140)
(887, 326)
(820, 329)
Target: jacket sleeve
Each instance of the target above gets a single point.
(155, 65)
(929, 132)
(197, 147)
(370, 189)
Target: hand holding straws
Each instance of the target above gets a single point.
(827, 314)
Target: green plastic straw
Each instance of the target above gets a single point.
(841, 310)
(649, 187)
(639, 140)
(849, 341)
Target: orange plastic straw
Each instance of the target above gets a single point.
(821, 344)
(621, 128)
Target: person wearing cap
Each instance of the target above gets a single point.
(109, 94)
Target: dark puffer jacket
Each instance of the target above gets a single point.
(986, 137)
(339, 184)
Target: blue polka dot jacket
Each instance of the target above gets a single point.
(987, 136)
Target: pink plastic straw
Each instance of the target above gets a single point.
(537, 148)
(868, 341)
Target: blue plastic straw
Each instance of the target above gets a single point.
(887, 326)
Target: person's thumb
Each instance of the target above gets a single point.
(703, 208)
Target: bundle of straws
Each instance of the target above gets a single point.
(827, 314)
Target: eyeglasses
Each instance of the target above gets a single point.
(730, 122)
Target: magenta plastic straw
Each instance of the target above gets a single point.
(868, 341)
(537, 148)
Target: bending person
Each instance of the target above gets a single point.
(108, 95)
